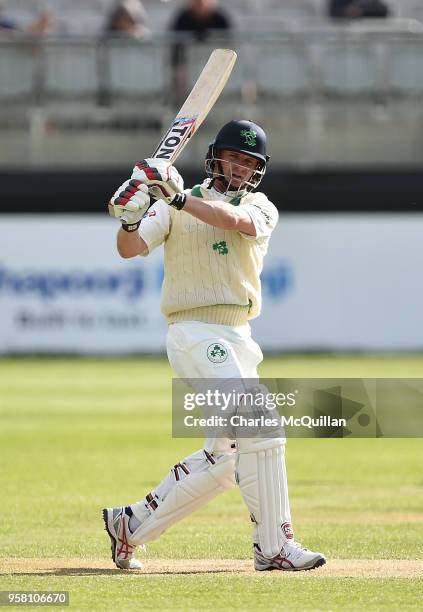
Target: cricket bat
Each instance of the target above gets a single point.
(196, 107)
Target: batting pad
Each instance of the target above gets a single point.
(261, 475)
(207, 477)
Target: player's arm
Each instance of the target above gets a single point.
(164, 182)
(220, 214)
(130, 244)
(254, 220)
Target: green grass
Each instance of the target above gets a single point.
(78, 434)
(264, 592)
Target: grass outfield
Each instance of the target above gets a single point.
(79, 434)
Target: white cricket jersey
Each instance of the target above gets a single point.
(211, 275)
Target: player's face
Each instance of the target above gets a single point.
(237, 167)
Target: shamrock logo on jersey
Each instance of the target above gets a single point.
(217, 353)
(221, 247)
(250, 137)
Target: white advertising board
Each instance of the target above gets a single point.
(329, 282)
(351, 282)
(64, 288)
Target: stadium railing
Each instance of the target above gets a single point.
(301, 63)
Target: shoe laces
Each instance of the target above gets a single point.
(293, 549)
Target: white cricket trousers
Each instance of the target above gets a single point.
(190, 345)
(203, 350)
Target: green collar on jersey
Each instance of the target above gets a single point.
(196, 191)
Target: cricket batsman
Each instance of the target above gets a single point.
(215, 237)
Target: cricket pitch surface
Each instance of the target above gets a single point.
(355, 568)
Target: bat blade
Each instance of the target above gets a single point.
(197, 106)
(195, 109)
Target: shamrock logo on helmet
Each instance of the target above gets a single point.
(250, 137)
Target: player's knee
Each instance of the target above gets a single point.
(223, 471)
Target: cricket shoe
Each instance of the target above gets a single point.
(292, 558)
(117, 526)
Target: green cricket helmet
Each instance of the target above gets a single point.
(245, 137)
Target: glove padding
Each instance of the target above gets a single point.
(163, 180)
(130, 202)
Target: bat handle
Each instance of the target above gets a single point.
(113, 210)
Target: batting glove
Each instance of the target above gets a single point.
(163, 180)
(130, 202)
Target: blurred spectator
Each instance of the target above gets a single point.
(40, 25)
(355, 9)
(128, 17)
(199, 18)
(6, 23)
